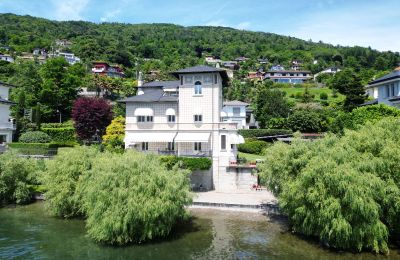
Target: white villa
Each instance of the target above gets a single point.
(385, 90)
(185, 118)
(6, 125)
(235, 111)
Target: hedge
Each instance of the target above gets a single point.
(34, 148)
(65, 134)
(186, 162)
(253, 146)
(251, 133)
(57, 125)
(35, 137)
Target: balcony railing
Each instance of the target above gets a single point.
(186, 153)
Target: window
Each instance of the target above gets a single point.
(197, 146)
(215, 79)
(145, 146)
(304, 74)
(198, 90)
(236, 111)
(171, 118)
(181, 80)
(223, 142)
(142, 119)
(198, 118)
(171, 146)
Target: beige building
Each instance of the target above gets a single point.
(183, 118)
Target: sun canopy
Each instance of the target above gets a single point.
(170, 112)
(131, 138)
(236, 139)
(192, 137)
(142, 111)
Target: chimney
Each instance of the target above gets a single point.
(140, 80)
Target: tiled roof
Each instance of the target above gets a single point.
(235, 103)
(167, 84)
(151, 96)
(393, 75)
(201, 69)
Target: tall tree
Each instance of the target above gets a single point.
(270, 103)
(348, 83)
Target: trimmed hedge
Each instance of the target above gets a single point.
(253, 146)
(34, 148)
(57, 125)
(251, 133)
(35, 137)
(186, 162)
(65, 134)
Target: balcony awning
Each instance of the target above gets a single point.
(236, 139)
(192, 137)
(170, 112)
(132, 138)
(142, 111)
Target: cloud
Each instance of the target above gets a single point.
(219, 22)
(110, 15)
(69, 9)
(243, 26)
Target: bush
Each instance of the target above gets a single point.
(34, 137)
(345, 191)
(306, 121)
(15, 175)
(66, 134)
(277, 123)
(191, 164)
(251, 133)
(115, 133)
(57, 125)
(323, 96)
(34, 148)
(126, 198)
(362, 115)
(253, 146)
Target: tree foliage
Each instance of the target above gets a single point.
(91, 116)
(115, 133)
(344, 191)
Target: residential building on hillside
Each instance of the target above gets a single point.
(63, 43)
(7, 126)
(183, 118)
(258, 75)
(277, 67)
(288, 76)
(103, 68)
(262, 60)
(6, 57)
(331, 70)
(385, 90)
(241, 59)
(235, 111)
(41, 59)
(212, 60)
(68, 56)
(296, 65)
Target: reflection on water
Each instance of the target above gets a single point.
(26, 232)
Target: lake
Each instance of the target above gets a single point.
(27, 232)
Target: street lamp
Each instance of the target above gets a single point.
(59, 112)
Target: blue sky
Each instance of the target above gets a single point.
(374, 23)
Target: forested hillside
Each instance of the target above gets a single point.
(171, 46)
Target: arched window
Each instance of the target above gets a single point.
(198, 88)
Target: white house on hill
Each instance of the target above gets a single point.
(385, 90)
(235, 111)
(6, 125)
(183, 118)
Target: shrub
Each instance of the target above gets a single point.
(57, 125)
(345, 191)
(62, 177)
(34, 137)
(277, 123)
(308, 121)
(251, 133)
(191, 164)
(126, 198)
(15, 175)
(115, 133)
(65, 134)
(323, 96)
(362, 115)
(253, 146)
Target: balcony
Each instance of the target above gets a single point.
(8, 125)
(207, 153)
(98, 70)
(228, 125)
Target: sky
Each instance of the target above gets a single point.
(374, 23)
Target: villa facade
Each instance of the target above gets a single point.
(385, 90)
(184, 118)
(7, 127)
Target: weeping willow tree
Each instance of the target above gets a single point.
(344, 191)
(125, 198)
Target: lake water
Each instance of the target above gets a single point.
(27, 232)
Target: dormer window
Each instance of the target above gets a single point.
(198, 89)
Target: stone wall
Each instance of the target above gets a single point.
(201, 177)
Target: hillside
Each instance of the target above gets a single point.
(171, 46)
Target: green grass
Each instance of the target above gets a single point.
(250, 157)
(315, 91)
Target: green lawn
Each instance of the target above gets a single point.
(249, 156)
(315, 91)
